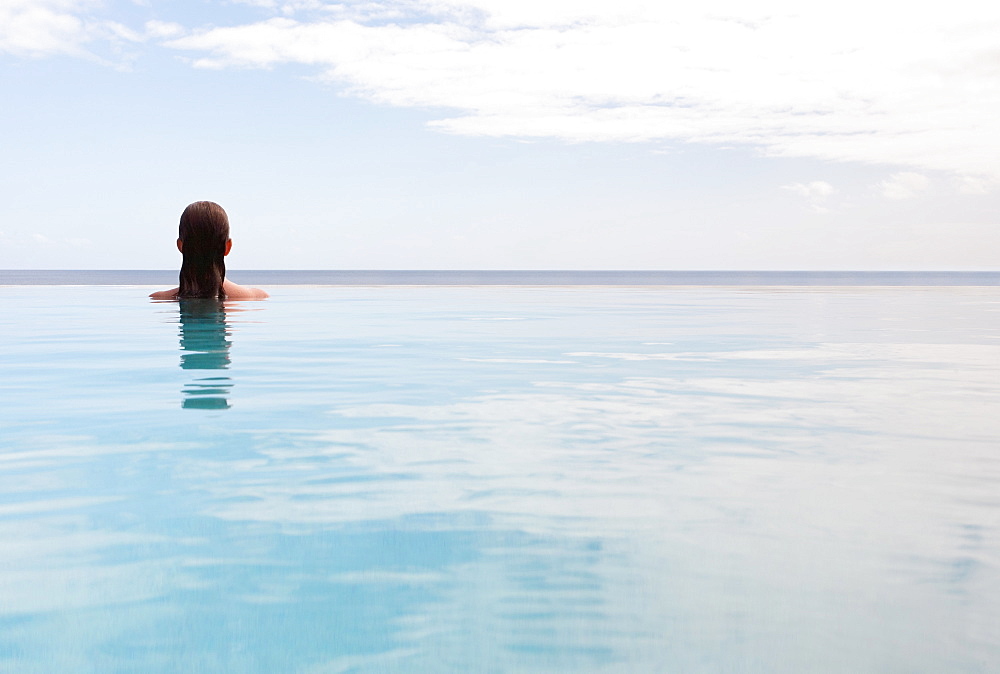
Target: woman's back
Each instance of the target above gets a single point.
(232, 292)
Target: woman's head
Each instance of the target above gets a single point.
(203, 239)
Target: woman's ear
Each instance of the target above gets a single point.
(229, 246)
(180, 246)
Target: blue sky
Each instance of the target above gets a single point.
(503, 134)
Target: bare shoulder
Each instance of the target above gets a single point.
(238, 292)
(165, 294)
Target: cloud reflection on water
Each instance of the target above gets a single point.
(877, 469)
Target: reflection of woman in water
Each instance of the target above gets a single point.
(205, 346)
(203, 240)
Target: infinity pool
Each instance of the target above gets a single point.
(501, 479)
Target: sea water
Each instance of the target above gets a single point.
(501, 479)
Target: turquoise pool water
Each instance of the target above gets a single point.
(500, 479)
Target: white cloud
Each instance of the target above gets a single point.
(290, 7)
(817, 190)
(53, 27)
(163, 29)
(852, 81)
(72, 242)
(37, 27)
(976, 185)
(905, 185)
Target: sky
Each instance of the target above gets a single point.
(503, 134)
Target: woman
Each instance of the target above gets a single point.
(204, 242)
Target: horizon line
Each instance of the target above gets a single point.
(516, 277)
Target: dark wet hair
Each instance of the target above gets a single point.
(204, 231)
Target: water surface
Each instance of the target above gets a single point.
(501, 479)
